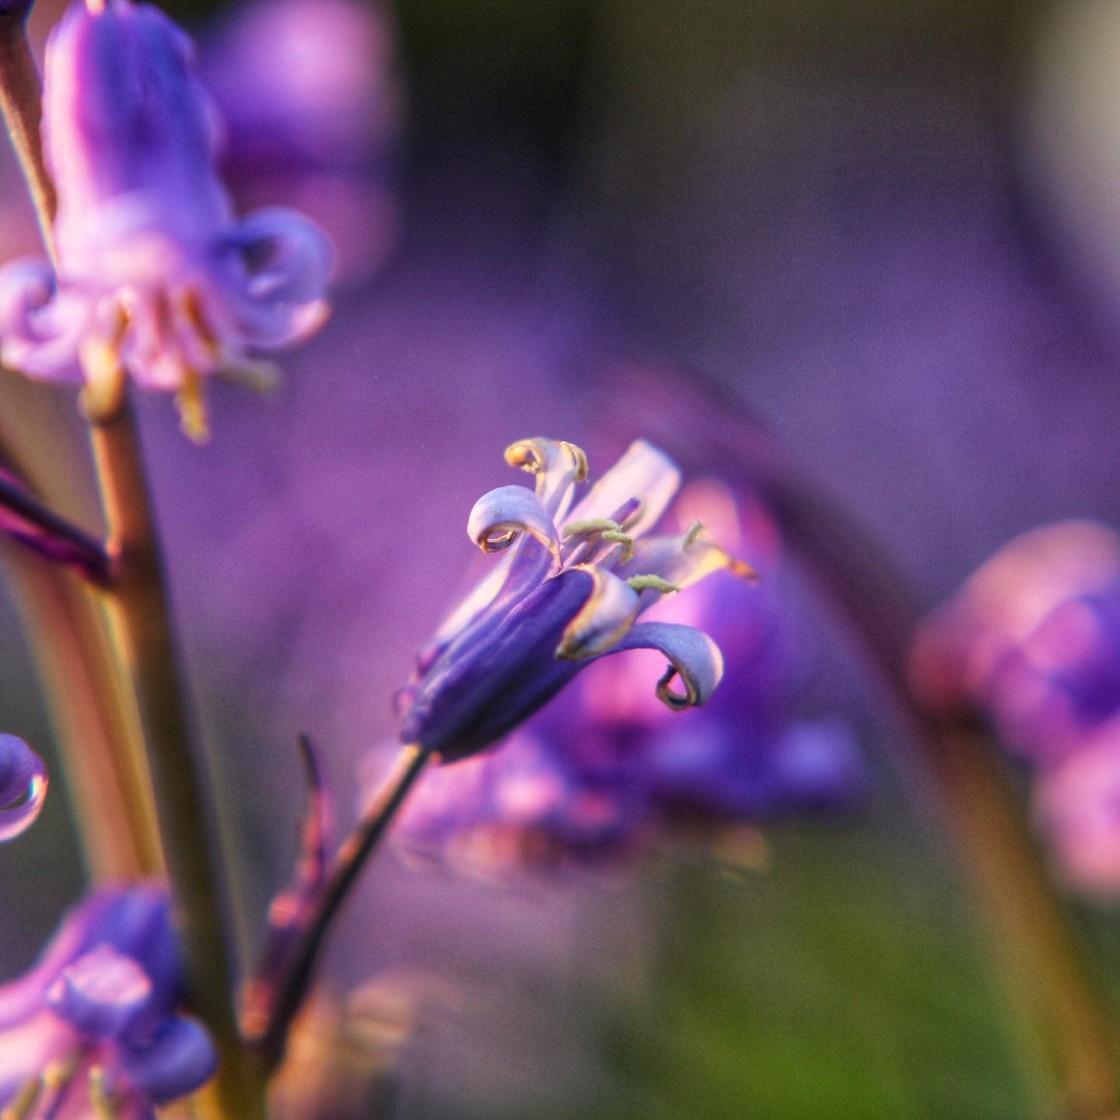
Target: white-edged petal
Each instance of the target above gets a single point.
(694, 660)
(501, 516)
(555, 464)
(643, 472)
(603, 620)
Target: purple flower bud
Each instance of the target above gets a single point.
(23, 786)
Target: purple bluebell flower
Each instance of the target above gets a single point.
(23, 786)
(598, 775)
(1032, 640)
(1033, 637)
(569, 590)
(151, 263)
(93, 1029)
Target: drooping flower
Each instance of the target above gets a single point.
(153, 269)
(93, 1030)
(569, 590)
(602, 772)
(1033, 641)
(23, 786)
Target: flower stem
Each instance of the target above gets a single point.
(290, 987)
(1030, 937)
(137, 606)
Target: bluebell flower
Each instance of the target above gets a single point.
(569, 590)
(153, 269)
(1032, 641)
(603, 772)
(23, 786)
(93, 1029)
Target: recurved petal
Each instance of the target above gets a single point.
(603, 620)
(288, 256)
(557, 466)
(643, 472)
(500, 516)
(102, 993)
(694, 659)
(684, 559)
(176, 1061)
(40, 329)
(23, 786)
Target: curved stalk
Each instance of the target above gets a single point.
(1030, 937)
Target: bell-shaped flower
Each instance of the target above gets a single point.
(605, 770)
(153, 270)
(569, 589)
(93, 1029)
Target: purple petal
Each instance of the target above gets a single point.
(178, 1060)
(289, 257)
(23, 786)
(602, 620)
(40, 328)
(694, 659)
(129, 135)
(497, 672)
(681, 560)
(102, 994)
(643, 472)
(499, 517)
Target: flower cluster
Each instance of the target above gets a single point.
(93, 1028)
(597, 774)
(1033, 638)
(153, 272)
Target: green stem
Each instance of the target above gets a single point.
(1030, 937)
(137, 606)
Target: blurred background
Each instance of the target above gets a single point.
(888, 229)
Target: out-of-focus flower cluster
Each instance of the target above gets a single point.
(93, 1028)
(1033, 639)
(600, 773)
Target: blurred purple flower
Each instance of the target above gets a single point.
(93, 1029)
(597, 775)
(23, 786)
(1033, 637)
(151, 262)
(1033, 640)
(556, 603)
(309, 93)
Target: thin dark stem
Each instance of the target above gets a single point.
(1031, 939)
(51, 536)
(291, 986)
